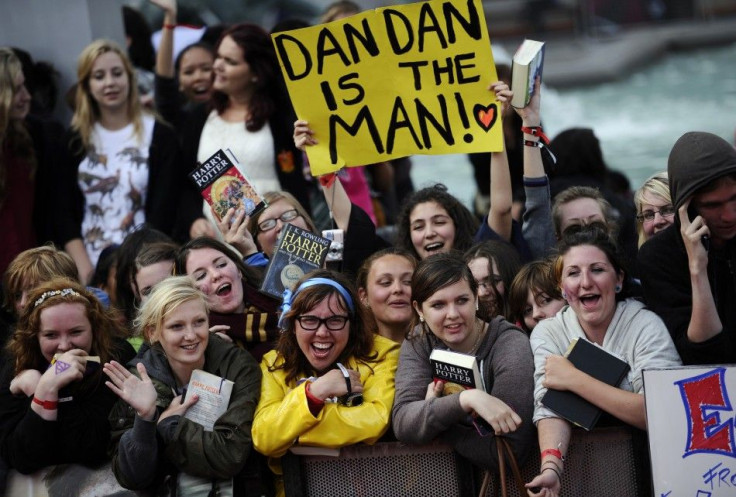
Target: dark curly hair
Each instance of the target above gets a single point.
(360, 341)
(465, 223)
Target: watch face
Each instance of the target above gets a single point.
(351, 399)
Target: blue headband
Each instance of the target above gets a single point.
(289, 297)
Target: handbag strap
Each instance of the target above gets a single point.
(503, 448)
(502, 442)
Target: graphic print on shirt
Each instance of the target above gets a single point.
(114, 197)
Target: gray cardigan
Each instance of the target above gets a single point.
(507, 366)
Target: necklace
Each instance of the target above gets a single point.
(479, 336)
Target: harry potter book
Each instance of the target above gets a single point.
(459, 372)
(599, 364)
(223, 186)
(297, 253)
(527, 64)
(214, 397)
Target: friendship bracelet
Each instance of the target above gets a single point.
(559, 477)
(550, 461)
(169, 26)
(535, 131)
(49, 405)
(553, 452)
(327, 180)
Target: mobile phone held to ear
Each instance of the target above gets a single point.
(705, 239)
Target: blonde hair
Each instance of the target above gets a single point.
(165, 297)
(657, 185)
(340, 9)
(86, 111)
(34, 266)
(14, 136)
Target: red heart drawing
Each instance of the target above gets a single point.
(485, 116)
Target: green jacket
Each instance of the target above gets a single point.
(144, 453)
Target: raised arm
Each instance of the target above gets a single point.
(165, 55)
(499, 212)
(335, 195)
(537, 226)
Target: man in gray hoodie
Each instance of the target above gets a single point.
(689, 270)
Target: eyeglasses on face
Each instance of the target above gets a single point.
(269, 224)
(333, 323)
(489, 282)
(649, 215)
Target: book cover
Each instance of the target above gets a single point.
(459, 372)
(526, 65)
(223, 186)
(297, 253)
(214, 397)
(599, 364)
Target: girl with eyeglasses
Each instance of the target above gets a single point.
(330, 381)
(494, 264)
(654, 209)
(236, 307)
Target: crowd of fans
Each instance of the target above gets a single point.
(119, 282)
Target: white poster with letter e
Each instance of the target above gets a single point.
(690, 416)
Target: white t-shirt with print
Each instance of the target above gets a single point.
(114, 179)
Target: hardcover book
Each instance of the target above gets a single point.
(214, 397)
(223, 186)
(599, 364)
(297, 253)
(459, 372)
(527, 64)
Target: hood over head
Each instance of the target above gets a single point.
(696, 159)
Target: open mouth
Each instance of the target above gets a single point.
(191, 347)
(589, 300)
(434, 247)
(224, 290)
(321, 350)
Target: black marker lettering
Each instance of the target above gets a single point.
(286, 57)
(398, 48)
(415, 70)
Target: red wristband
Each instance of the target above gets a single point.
(327, 180)
(535, 131)
(553, 452)
(49, 405)
(169, 26)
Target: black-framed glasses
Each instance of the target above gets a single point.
(649, 215)
(285, 217)
(333, 323)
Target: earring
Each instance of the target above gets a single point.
(564, 295)
(421, 318)
(476, 304)
(366, 304)
(618, 288)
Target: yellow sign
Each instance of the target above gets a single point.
(392, 82)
